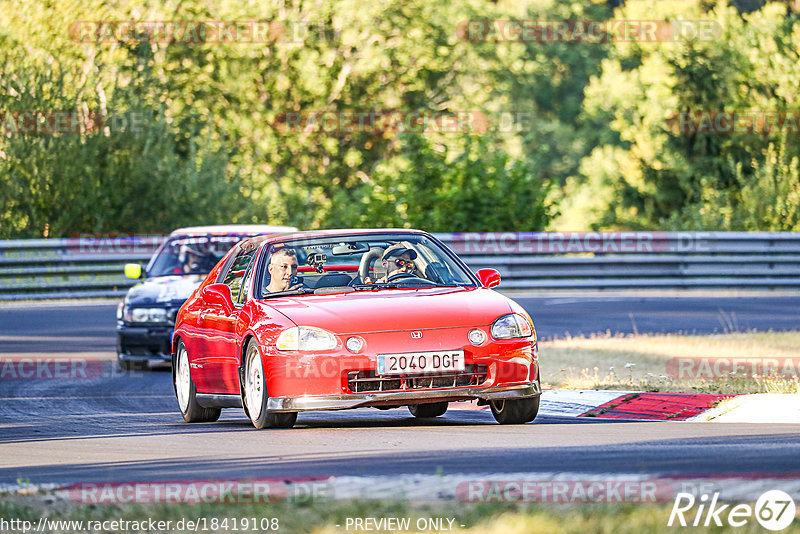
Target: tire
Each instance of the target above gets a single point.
(431, 409)
(256, 396)
(186, 392)
(515, 411)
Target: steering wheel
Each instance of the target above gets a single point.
(410, 280)
(400, 276)
(367, 260)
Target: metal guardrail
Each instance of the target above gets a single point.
(634, 260)
(92, 267)
(81, 267)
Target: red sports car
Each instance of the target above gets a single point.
(338, 319)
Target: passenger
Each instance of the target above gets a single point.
(282, 271)
(398, 260)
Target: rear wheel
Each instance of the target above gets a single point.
(431, 409)
(515, 411)
(256, 395)
(187, 393)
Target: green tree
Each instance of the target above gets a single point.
(659, 175)
(478, 188)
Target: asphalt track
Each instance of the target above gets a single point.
(82, 327)
(126, 427)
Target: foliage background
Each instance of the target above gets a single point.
(190, 134)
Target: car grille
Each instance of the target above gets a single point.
(367, 381)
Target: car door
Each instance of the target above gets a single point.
(220, 357)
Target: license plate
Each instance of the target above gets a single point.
(421, 362)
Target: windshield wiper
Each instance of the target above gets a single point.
(291, 292)
(396, 285)
(369, 287)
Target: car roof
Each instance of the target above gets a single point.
(233, 229)
(257, 240)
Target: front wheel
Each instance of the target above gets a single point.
(256, 395)
(431, 409)
(515, 411)
(186, 392)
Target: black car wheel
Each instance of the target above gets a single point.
(431, 409)
(515, 411)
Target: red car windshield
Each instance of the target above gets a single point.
(362, 262)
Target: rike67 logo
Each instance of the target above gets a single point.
(774, 510)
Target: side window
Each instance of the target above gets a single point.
(245, 285)
(235, 275)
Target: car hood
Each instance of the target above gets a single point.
(166, 290)
(379, 311)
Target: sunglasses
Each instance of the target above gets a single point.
(403, 263)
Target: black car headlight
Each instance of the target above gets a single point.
(145, 315)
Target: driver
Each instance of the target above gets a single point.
(282, 270)
(398, 260)
(190, 259)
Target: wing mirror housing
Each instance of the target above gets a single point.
(219, 294)
(133, 271)
(489, 277)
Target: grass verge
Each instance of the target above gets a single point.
(742, 362)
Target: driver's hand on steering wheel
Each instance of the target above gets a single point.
(398, 275)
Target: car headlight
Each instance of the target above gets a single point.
(511, 326)
(145, 315)
(305, 338)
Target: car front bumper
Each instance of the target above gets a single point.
(144, 343)
(399, 398)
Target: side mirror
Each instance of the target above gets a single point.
(133, 271)
(489, 277)
(218, 294)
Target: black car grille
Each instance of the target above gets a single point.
(368, 381)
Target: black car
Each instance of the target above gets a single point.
(146, 318)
